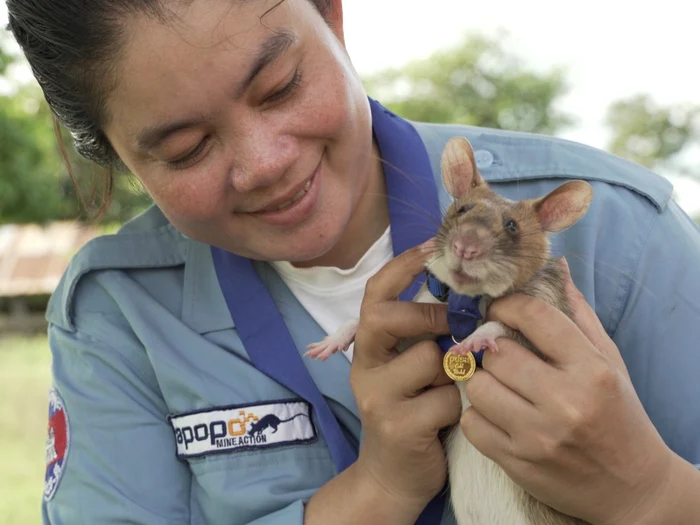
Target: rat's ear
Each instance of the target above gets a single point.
(458, 166)
(564, 206)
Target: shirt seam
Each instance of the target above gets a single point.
(626, 288)
(136, 369)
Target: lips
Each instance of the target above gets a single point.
(298, 195)
(294, 207)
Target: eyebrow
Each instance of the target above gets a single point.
(272, 48)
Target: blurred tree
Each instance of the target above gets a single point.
(650, 134)
(479, 82)
(35, 185)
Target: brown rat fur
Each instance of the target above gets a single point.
(491, 246)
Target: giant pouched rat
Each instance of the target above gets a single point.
(491, 247)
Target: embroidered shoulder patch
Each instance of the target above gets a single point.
(242, 427)
(57, 443)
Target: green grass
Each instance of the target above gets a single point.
(25, 378)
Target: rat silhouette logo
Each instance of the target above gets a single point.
(57, 442)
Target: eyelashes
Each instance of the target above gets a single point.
(191, 158)
(194, 156)
(287, 90)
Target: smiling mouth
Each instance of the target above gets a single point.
(291, 201)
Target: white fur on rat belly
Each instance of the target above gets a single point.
(481, 492)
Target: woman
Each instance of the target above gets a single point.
(180, 394)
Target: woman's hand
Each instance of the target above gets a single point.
(404, 399)
(571, 431)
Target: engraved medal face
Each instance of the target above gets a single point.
(459, 367)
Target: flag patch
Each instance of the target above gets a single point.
(57, 442)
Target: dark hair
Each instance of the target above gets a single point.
(72, 47)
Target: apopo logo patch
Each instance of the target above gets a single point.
(224, 429)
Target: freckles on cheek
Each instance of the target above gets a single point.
(190, 201)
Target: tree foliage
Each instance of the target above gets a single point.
(650, 134)
(35, 182)
(479, 82)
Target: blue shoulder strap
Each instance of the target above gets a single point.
(414, 213)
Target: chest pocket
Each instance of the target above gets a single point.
(249, 461)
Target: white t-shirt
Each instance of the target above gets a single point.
(333, 296)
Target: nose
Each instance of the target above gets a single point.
(467, 245)
(261, 158)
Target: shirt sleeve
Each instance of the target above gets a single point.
(658, 331)
(118, 451)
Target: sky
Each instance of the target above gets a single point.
(612, 49)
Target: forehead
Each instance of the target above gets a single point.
(484, 201)
(176, 63)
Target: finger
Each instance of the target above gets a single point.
(414, 369)
(438, 407)
(547, 328)
(520, 370)
(497, 403)
(397, 275)
(383, 324)
(486, 437)
(404, 319)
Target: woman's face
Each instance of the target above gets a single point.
(252, 133)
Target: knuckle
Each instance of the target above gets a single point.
(604, 378)
(373, 283)
(430, 317)
(371, 317)
(547, 449)
(477, 387)
(576, 417)
(427, 355)
(370, 406)
(390, 429)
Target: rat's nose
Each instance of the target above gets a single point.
(466, 247)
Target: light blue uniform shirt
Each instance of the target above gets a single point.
(140, 331)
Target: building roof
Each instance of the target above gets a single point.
(33, 257)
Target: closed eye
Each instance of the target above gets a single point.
(190, 158)
(287, 90)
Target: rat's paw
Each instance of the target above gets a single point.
(483, 338)
(324, 349)
(337, 342)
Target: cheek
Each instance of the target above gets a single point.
(188, 198)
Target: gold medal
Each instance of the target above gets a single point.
(459, 367)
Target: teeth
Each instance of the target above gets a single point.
(296, 197)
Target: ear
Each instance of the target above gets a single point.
(459, 173)
(564, 206)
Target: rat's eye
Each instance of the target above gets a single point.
(511, 227)
(464, 209)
